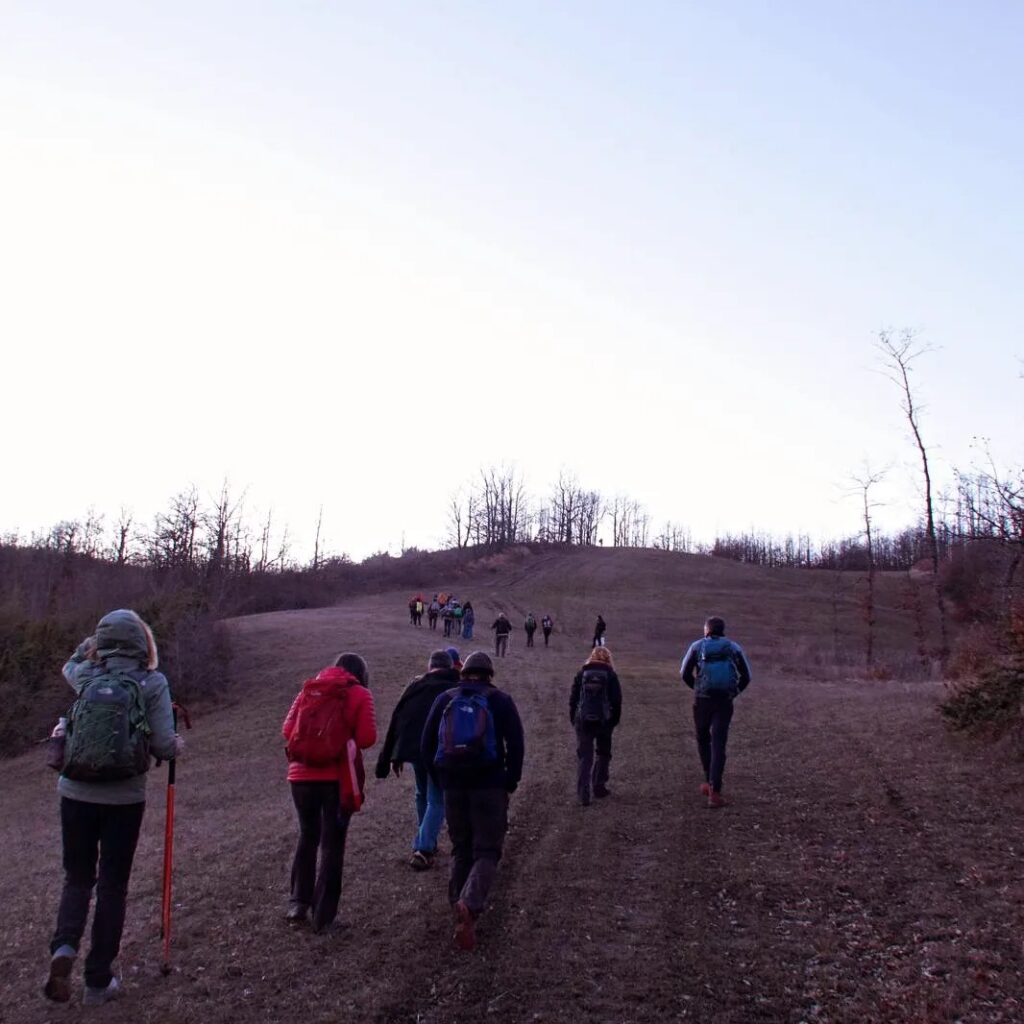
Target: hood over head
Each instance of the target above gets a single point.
(123, 634)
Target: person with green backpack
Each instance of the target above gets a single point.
(122, 717)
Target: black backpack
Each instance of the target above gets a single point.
(594, 706)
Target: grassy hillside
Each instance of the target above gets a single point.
(867, 868)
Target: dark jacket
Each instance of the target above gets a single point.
(503, 626)
(614, 692)
(691, 663)
(599, 628)
(402, 742)
(508, 733)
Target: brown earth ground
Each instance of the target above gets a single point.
(868, 867)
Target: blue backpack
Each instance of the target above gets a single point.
(466, 736)
(716, 666)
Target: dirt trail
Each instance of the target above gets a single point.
(868, 867)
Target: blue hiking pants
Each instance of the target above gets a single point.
(429, 811)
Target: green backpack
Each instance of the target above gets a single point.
(107, 732)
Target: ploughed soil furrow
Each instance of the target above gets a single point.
(868, 868)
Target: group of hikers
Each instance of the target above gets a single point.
(457, 618)
(461, 735)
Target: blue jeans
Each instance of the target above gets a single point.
(429, 810)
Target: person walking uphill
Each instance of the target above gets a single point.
(502, 629)
(473, 739)
(595, 708)
(530, 626)
(102, 791)
(717, 670)
(402, 746)
(329, 723)
(547, 624)
(599, 631)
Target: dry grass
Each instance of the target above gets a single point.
(869, 868)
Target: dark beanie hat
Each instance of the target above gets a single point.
(354, 665)
(440, 659)
(478, 664)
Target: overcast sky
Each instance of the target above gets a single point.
(345, 254)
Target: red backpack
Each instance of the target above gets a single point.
(320, 733)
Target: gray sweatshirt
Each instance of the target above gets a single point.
(157, 697)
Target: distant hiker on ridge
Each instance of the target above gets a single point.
(328, 725)
(599, 631)
(530, 626)
(473, 740)
(595, 707)
(402, 746)
(547, 624)
(468, 620)
(716, 669)
(102, 791)
(502, 628)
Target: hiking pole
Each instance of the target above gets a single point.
(165, 910)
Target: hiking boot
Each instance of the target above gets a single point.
(705, 789)
(99, 996)
(465, 927)
(58, 984)
(297, 914)
(421, 860)
(329, 929)
(715, 800)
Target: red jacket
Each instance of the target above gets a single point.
(359, 716)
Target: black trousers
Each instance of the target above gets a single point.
(107, 833)
(323, 827)
(591, 770)
(500, 644)
(547, 636)
(529, 637)
(477, 822)
(711, 717)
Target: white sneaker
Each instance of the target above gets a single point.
(99, 996)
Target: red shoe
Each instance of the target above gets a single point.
(465, 929)
(705, 789)
(715, 800)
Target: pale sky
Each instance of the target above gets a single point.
(346, 254)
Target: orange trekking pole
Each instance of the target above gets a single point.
(165, 910)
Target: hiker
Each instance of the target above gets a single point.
(502, 628)
(419, 610)
(412, 611)
(547, 624)
(328, 725)
(468, 620)
(402, 746)
(531, 627)
(457, 614)
(473, 740)
(599, 631)
(453, 653)
(433, 610)
(595, 707)
(448, 616)
(102, 791)
(716, 669)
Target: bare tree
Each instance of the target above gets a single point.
(316, 543)
(864, 482)
(898, 358)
